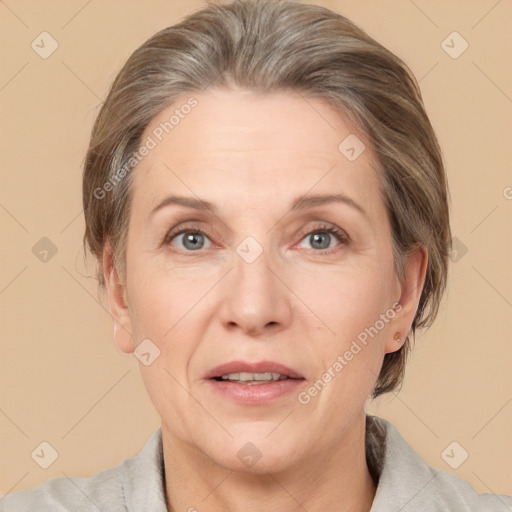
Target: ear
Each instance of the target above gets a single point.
(116, 290)
(411, 286)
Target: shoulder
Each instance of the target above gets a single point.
(124, 487)
(409, 483)
(102, 491)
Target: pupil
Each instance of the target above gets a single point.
(316, 236)
(193, 239)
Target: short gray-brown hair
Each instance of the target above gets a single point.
(276, 45)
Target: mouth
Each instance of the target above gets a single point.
(253, 383)
(252, 378)
(255, 372)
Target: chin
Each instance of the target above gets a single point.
(256, 453)
(260, 464)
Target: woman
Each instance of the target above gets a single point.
(267, 202)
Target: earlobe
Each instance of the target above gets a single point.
(116, 298)
(411, 286)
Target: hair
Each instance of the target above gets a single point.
(270, 46)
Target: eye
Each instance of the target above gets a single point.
(191, 239)
(321, 238)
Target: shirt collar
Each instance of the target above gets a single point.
(143, 477)
(402, 473)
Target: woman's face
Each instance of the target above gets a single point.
(265, 280)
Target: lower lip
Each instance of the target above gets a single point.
(256, 394)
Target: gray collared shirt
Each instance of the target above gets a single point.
(406, 483)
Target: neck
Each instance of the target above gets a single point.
(336, 479)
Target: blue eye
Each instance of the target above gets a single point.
(320, 238)
(192, 239)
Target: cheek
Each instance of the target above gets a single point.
(165, 308)
(349, 358)
(353, 311)
(347, 300)
(159, 298)
(150, 307)
(162, 310)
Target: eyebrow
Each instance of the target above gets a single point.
(299, 204)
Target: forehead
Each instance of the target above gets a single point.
(257, 145)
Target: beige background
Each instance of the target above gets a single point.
(64, 381)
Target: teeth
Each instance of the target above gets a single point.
(253, 377)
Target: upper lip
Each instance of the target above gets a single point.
(252, 367)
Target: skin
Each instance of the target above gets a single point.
(252, 155)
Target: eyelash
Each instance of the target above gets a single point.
(341, 235)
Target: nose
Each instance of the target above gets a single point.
(256, 299)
